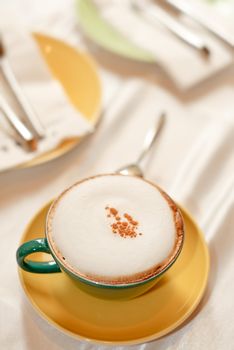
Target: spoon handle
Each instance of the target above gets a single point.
(151, 137)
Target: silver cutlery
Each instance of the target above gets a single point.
(35, 124)
(149, 10)
(186, 9)
(21, 129)
(134, 169)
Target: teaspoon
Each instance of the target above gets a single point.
(134, 169)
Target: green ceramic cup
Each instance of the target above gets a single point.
(99, 289)
(124, 291)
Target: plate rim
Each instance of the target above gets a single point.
(72, 143)
(144, 55)
(135, 341)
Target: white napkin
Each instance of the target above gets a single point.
(59, 118)
(207, 170)
(182, 63)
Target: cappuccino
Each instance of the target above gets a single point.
(115, 229)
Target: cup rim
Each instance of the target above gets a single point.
(103, 284)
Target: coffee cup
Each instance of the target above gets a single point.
(113, 235)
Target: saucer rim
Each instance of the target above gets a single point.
(135, 341)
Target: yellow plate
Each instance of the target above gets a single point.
(78, 75)
(144, 318)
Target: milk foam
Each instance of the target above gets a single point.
(81, 229)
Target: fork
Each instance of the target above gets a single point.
(35, 124)
(22, 131)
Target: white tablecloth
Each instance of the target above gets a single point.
(193, 160)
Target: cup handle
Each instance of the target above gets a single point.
(34, 246)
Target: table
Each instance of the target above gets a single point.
(193, 161)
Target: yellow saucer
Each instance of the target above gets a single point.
(78, 75)
(135, 321)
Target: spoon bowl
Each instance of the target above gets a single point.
(131, 170)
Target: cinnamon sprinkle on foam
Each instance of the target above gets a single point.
(125, 226)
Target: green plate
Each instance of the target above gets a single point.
(106, 36)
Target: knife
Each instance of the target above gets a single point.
(149, 11)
